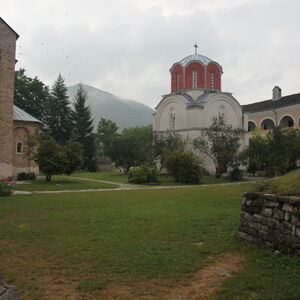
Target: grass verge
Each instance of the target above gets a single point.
(59, 183)
(164, 180)
(145, 241)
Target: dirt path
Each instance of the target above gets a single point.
(206, 281)
(124, 187)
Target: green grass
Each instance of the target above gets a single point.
(163, 179)
(59, 183)
(289, 184)
(142, 239)
(109, 176)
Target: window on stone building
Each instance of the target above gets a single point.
(195, 75)
(19, 147)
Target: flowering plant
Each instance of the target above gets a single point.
(8, 180)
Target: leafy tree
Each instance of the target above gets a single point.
(221, 143)
(166, 142)
(274, 154)
(74, 156)
(185, 167)
(83, 126)
(106, 136)
(59, 117)
(31, 94)
(50, 156)
(133, 147)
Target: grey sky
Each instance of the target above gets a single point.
(127, 47)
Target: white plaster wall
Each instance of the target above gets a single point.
(162, 119)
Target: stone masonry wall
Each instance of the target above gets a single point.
(7, 73)
(271, 221)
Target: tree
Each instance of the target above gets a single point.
(83, 126)
(185, 167)
(74, 156)
(50, 156)
(31, 94)
(163, 143)
(221, 143)
(106, 136)
(274, 154)
(59, 117)
(133, 147)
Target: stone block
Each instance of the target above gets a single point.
(287, 207)
(245, 236)
(286, 228)
(268, 212)
(278, 214)
(297, 232)
(258, 202)
(262, 234)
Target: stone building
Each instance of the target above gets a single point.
(277, 111)
(196, 98)
(16, 126)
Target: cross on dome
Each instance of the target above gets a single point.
(196, 46)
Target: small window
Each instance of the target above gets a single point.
(212, 81)
(178, 81)
(19, 147)
(195, 75)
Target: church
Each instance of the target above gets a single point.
(195, 99)
(16, 126)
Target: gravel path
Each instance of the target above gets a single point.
(124, 187)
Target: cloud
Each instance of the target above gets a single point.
(127, 47)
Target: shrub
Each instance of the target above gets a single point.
(26, 176)
(185, 167)
(143, 174)
(5, 188)
(236, 174)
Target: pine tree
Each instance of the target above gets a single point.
(59, 119)
(83, 126)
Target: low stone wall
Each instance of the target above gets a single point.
(271, 221)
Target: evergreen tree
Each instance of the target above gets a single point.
(59, 119)
(31, 94)
(83, 126)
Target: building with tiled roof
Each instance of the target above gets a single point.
(283, 111)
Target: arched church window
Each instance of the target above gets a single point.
(195, 76)
(172, 119)
(19, 147)
(222, 112)
(177, 80)
(212, 81)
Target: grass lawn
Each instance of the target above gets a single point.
(140, 243)
(163, 179)
(109, 176)
(59, 183)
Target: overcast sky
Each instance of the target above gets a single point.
(126, 47)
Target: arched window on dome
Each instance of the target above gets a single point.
(177, 81)
(195, 77)
(212, 80)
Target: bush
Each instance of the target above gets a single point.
(236, 174)
(5, 189)
(143, 174)
(26, 176)
(185, 167)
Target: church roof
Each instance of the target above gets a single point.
(272, 104)
(195, 57)
(21, 115)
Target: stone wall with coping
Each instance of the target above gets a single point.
(271, 221)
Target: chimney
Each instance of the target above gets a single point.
(276, 93)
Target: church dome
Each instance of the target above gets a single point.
(195, 57)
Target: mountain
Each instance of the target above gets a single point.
(125, 113)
